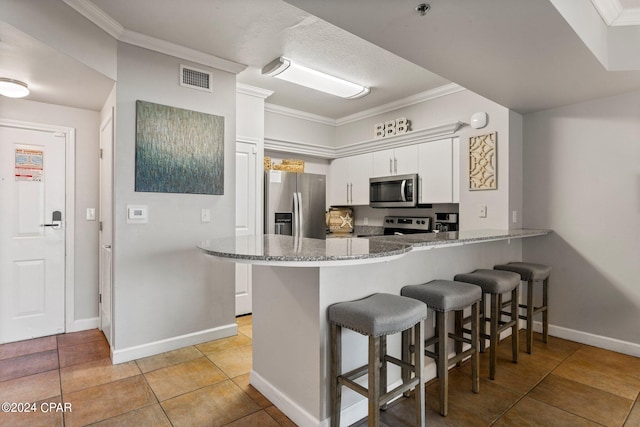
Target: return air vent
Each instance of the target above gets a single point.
(195, 79)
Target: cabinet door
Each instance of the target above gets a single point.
(456, 170)
(405, 160)
(383, 163)
(339, 180)
(435, 160)
(361, 171)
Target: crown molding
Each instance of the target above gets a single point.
(248, 139)
(298, 114)
(96, 15)
(296, 147)
(409, 138)
(446, 130)
(253, 91)
(615, 15)
(447, 89)
(178, 51)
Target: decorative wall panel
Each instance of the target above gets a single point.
(178, 151)
(483, 162)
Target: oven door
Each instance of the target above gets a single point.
(399, 191)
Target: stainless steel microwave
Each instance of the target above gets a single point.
(399, 191)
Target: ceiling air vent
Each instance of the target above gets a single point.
(195, 79)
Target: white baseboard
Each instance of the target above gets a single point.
(85, 324)
(157, 347)
(600, 341)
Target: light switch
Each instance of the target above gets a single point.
(205, 215)
(482, 211)
(91, 214)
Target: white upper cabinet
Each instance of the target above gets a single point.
(349, 180)
(396, 161)
(438, 170)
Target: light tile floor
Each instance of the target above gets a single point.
(561, 384)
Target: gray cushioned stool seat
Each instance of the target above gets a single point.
(378, 314)
(527, 270)
(491, 281)
(444, 295)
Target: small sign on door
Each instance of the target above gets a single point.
(29, 165)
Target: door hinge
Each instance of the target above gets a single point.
(100, 298)
(100, 226)
(101, 153)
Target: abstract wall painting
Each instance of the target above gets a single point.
(483, 162)
(178, 151)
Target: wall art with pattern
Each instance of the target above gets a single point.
(178, 151)
(483, 162)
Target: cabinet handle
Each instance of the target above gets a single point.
(395, 165)
(390, 166)
(347, 192)
(351, 195)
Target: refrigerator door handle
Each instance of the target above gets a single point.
(296, 214)
(300, 216)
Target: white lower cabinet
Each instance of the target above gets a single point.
(439, 170)
(349, 180)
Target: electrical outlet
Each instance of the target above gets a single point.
(91, 214)
(482, 211)
(366, 220)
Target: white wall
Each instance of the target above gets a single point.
(284, 127)
(87, 125)
(582, 179)
(165, 290)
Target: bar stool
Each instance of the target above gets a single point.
(495, 283)
(532, 273)
(376, 316)
(444, 296)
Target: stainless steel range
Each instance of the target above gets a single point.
(406, 225)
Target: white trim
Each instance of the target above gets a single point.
(627, 17)
(173, 343)
(258, 92)
(409, 138)
(248, 139)
(96, 15)
(117, 31)
(86, 324)
(587, 338)
(298, 114)
(182, 52)
(297, 147)
(70, 176)
(447, 89)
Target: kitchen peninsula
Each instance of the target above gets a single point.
(296, 279)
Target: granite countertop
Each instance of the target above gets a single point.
(282, 250)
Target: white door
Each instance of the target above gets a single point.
(32, 233)
(246, 205)
(106, 224)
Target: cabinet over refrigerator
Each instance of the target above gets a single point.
(294, 204)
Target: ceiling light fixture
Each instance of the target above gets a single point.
(13, 88)
(285, 69)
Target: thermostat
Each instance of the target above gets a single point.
(137, 214)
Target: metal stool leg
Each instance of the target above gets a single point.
(336, 354)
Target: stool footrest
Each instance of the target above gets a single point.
(385, 398)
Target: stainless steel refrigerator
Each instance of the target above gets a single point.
(294, 204)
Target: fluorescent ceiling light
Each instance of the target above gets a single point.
(285, 69)
(13, 88)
